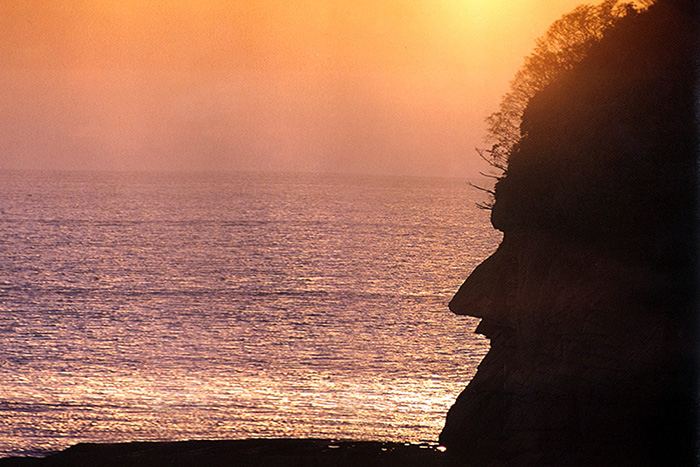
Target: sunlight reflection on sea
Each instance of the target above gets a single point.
(163, 307)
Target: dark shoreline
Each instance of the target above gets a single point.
(247, 452)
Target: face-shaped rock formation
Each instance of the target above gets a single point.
(590, 301)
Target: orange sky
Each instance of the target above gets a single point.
(362, 86)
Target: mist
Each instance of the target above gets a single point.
(393, 87)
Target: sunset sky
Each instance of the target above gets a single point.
(358, 86)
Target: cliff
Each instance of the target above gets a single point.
(590, 301)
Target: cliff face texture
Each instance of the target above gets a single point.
(590, 301)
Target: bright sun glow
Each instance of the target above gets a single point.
(375, 86)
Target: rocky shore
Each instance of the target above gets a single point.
(244, 453)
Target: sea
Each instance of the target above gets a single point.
(152, 307)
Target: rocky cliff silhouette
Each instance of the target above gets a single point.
(590, 302)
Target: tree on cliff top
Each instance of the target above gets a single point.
(566, 43)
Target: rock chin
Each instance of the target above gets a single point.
(585, 364)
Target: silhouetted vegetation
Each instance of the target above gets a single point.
(566, 43)
(611, 144)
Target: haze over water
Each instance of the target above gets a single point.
(164, 307)
(393, 87)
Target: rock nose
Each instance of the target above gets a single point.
(488, 289)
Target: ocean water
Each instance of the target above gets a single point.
(172, 307)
